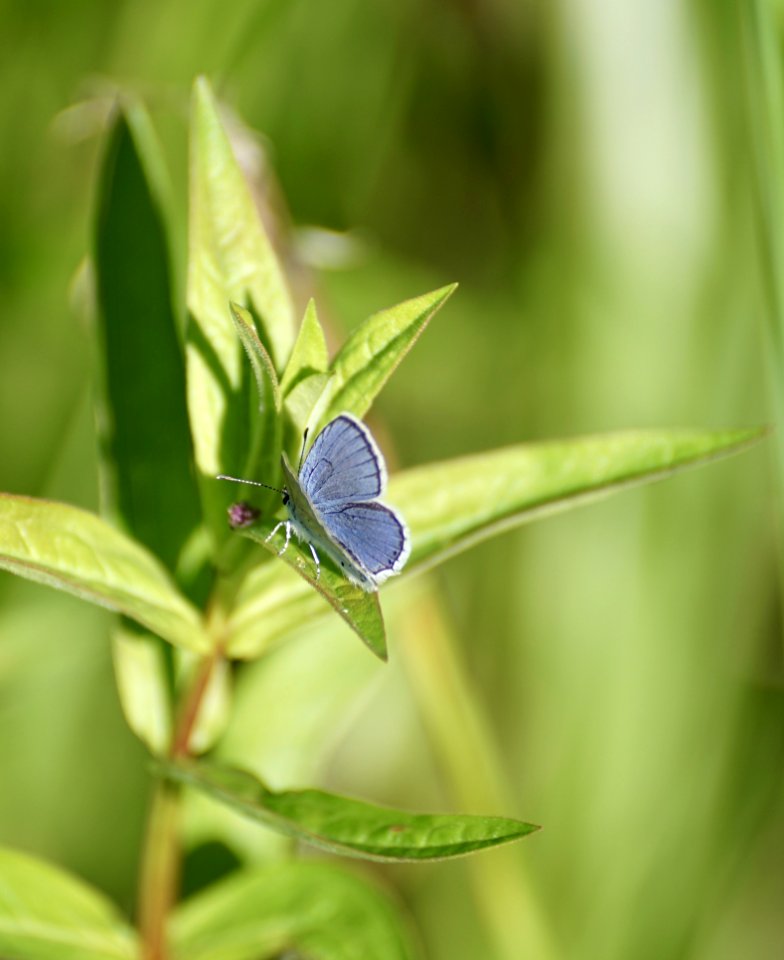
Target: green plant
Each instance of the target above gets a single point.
(196, 596)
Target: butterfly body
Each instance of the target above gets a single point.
(332, 504)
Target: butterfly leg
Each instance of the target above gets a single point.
(287, 525)
(315, 559)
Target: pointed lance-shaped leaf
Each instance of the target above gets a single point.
(306, 376)
(453, 504)
(450, 506)
(148, 483)
(370, 355)
(230, 258)
(350, 827)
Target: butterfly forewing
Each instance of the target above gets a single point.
(344, 465)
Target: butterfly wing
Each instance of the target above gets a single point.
(372, 534)
(343, 465)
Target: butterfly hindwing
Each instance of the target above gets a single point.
(372, 534)
(344, 465)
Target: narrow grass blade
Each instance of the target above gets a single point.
(350, 827)
(47, 914)
(370, 355)
(311, 909)
(73, 550)
(148, 482)
(360, 610)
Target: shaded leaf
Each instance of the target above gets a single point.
(261, 362)
(272, 601)
(230, 259)
(370, 355)
(318, 909)
(143, 685)
(47, 914)
(73, 550)
(351, 827)
(360, 610)
(266, 430)
(148, 483)
(455, 503)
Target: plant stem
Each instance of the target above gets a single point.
(161, 859)
(160, 870)
(189, 712)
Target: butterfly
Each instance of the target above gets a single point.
(332, 504)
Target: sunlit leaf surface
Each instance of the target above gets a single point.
(449, 506)
(230, 259)
(73, 550)
(47, 914)
(370, 355)
(453, 504)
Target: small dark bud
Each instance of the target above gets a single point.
(242, 514)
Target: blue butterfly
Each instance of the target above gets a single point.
(332, 504)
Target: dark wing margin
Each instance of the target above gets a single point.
(343, 465)
(372, 534)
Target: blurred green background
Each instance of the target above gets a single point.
(585, 170)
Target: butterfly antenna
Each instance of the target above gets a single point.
(253, 483)
(302, 451)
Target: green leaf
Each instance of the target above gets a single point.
(73, 550)
(266, 431)
(316, 909)
(370, 355)
(148, 484)
(306, 374)
(451, 505)
(360, 610)
(300, 404)
(272, 601)
(260, 360)
(350, 827)
(230, 259)
(141, 669)
(47, 914)
(309, 355)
